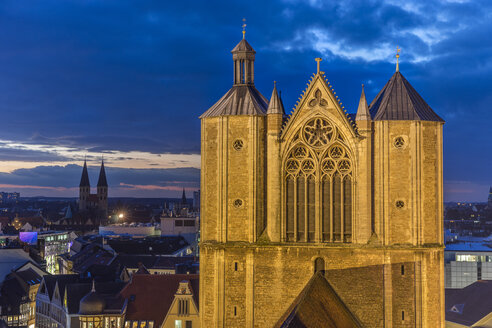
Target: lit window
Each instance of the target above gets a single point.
(178, 324)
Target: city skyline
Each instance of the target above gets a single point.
(127, 83)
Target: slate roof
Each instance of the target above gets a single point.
(243, 45)
(398, 100)
(153, 295)
(76, 291)
(11, 259)
(153, 262)
(468, 305)
(239, 100)
(84, 180)
(166, 245)
(29, 276)
(318, 305)
(62, 279)
(12, 294)
(102, 182)
(275, 105)
(362, 111)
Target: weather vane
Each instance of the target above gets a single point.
(397, 58)
(318, 60)
(244, 27)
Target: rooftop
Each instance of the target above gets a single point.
(398, 100)
(468, 305)
(151, 296)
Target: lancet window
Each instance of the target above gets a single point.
(318, 185)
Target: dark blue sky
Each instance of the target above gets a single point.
(128, 80)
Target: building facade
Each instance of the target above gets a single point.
(357, 198)
(18, 297)
(466, 263)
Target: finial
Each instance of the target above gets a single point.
(274, 84)
(318, 60)
(244, 27)
(397, 57)
(93, 286)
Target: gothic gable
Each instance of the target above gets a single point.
(319, 100)
(318, 160)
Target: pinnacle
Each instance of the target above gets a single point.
(363, 110)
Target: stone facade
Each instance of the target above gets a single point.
(279, 192)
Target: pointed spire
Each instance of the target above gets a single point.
(102, 182)
(275, 106)
(84, 180)
(93, 286)
(363, 110)
(397, 59)
(183, 197)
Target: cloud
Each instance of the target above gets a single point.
(130, 78)
(64, 180)
(26, 155)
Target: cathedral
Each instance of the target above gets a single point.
(320, 218)
(94, 202)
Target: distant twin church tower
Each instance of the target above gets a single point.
(93, 202)
(320, 218)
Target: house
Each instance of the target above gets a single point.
(162, 301)
(59, 301)
(18, 297)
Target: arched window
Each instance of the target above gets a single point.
(319, 265)
(318, 185)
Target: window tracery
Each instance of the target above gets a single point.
(318, 186)
(318, 132)
(399, 142)
(237, 144)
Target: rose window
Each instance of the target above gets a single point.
(318, 132)
(238, 144)
(399, 142)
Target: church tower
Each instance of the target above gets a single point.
(102, 190)
(233, 181)
(84, 188)
(320, 216)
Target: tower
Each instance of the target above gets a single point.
(315, 214)
(102, 190)
(275, 117)
(233, 190)
(84, 188)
